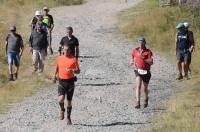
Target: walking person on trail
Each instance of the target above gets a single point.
(142, 58)
(191, 43)
(182, 48)
(38, 18)
(71, 40)
(66, 68)
(48, 19)
(38, 44)
(14, 50)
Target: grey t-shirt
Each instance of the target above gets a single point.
(14, 42)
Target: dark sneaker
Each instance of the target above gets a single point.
(15, 75)
(10, 78)
(137, 106)
(179, 77)
(62, 115)
(69, 122)
(146, 102)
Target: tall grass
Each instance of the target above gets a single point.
(20, 12)
(158, 26)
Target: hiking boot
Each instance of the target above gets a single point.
(146, 102)
(34, 71)
(15, 75)
(69, 122)
(179, 77)
(10, 78)
(186, 77)
(189, 72)
(62, 115)
(137, 105)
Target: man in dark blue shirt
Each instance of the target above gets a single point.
(182, 51)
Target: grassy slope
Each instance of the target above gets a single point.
(158, 26)
(20, 12)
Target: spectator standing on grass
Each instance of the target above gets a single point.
(66, 68)
(38, 44)
(14, 50)
(48, 20)
(182, 49)
(191, 43)
(142, 58)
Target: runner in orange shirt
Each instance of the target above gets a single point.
(142, 58)
(66, 68)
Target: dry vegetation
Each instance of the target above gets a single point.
(20, 12)
(158, 26)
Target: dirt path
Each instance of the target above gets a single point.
(104, 94)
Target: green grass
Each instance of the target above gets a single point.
(20, 12)
(158, 26)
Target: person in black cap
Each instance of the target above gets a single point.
(14, 50)
(71, 40)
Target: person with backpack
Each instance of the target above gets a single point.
(14, 50)
(142, 59)
(191, 43)
(71, 40)
(182, 48)
(38, 44)
(38, 18)
(48, 20)
(66, 68)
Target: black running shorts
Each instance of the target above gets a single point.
(145, 78)
(66, 88)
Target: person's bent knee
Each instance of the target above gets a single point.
(61, 98)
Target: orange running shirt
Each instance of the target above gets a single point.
(63, 63)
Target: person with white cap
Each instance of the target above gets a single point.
(35, 19)
(182, 51)
(142, 58)
(191, 43)
(14, 50)
(48, 19)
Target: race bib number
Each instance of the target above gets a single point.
(142, 72)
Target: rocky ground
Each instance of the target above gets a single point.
(104, 95)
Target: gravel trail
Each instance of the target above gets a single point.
(104, 95)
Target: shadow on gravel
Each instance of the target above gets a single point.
(112, 124)
(99, 84)
(89, 57)
(157, 110)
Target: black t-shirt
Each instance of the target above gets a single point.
(73, 42)
(51, 22)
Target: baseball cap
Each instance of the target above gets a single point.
(13, 28)
(38, 13)
(141, 40)
(46, 8)
(186, 24)
(180, 26)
